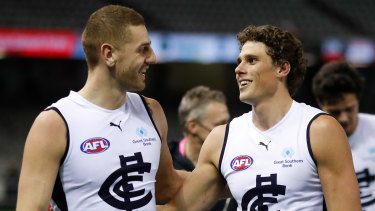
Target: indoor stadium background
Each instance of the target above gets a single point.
(195, 43)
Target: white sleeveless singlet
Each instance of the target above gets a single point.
(112, 156)
(362, 143)
(272, 169)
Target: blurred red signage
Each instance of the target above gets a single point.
(37, 43)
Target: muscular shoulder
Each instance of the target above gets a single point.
(324, 126)
(48, 132)
(153, 105)
(158, 115)
(50, 122)
(326, 135)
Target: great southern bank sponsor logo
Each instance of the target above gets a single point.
(288, 161)
(370, 155)
(95, 145)
(241, 162)
(287, 152)
(142, 134)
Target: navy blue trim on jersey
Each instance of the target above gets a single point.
(310, 149)
(324, 204)
(308, 136)
(224, 144)
(58, 195)
(67, 133)
(149, 114)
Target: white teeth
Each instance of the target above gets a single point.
(144, 70)
(243, 83)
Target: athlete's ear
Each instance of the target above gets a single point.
(191, 126)
(108, 54)
(284, 69)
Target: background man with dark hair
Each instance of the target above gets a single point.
(337, 88)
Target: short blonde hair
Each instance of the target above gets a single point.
(108, 24)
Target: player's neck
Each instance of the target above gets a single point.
(268, 113)
(101, 91)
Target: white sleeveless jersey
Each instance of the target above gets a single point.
(272, 169)
(112, 156)
(362, 143)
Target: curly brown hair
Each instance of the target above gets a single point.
(281, 46)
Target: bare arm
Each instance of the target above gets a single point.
(332, 153)
(44, 148)
(168, 180)
(205, 185)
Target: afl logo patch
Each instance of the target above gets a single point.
(241, 162)
(95, 145)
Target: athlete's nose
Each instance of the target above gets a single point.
(151, 59)
(343, 117)
(239, 68)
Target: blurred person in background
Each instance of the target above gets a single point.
(200, 110)
(337, 88)
(103, 147)
(282, 155)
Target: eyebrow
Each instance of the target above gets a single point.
(247, 57)
(145, 43)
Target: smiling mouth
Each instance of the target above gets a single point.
(143, 72)
(142, 75)
(244, 83)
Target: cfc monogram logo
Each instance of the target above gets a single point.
(365, 181)
(127, 173)
(257, 193)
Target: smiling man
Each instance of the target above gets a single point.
(103, 147)
(282, 155)
(337, 88)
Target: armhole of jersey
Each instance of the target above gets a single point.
(58, 195)
(308, 136)
(324, 204)
(149, 114)
(224, 144)
(67, 133)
